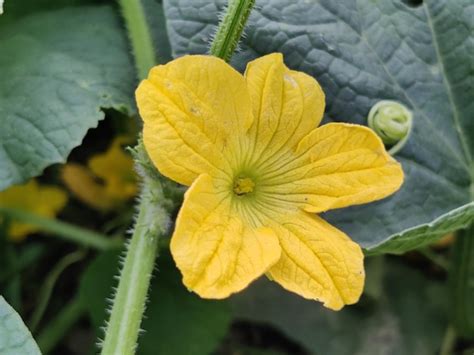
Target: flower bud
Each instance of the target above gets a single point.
(392, 122)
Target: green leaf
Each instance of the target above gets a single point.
(59, 68)
(362, 52)
(425, 234)
(15, 338)
(156, 20)
(408, 318)
(176, 321)
(16, 9)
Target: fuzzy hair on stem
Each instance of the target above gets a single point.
(230, 29)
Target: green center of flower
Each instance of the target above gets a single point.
(243, 186)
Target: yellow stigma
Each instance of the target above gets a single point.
(243, 186)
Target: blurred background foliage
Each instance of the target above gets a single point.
(84, 115)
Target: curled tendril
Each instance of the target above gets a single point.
(392, 122)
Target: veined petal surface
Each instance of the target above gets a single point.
(318, 261)
(217, 252)
(286, 104)
(336, 165)
(194, 109)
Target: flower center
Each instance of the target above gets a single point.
(243, 186)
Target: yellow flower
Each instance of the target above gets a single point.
(114, 167)
(44, 201)
(259, 169)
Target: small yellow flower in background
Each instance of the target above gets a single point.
(258, 170)
(83, 184)
(44, 201)
(114, 168)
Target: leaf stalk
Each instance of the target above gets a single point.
(63, 230)
(152, 223)
(140, 36)
(230, 28)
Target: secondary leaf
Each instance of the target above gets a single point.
(59, 69)
(15, 9)
(362, 52)
(15, 338)
(176, 321)
(388, 325)
(156, 20)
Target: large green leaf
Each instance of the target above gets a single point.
(363, 51)
(176, 321)
(408, 317)
(15, 338)
(59, 68)
(156, 20)
(13, 10)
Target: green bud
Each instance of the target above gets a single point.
(392, 122)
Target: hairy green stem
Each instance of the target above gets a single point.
(59, 326)
(129, 302)
(230, 29)
(140, 36)
(63, 230)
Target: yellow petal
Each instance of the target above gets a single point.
(80, 181)
(217, 252)
(115, 168)
(337, 165)
(287, 105)
(318, 261)
(44, 201)
(194, 109)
